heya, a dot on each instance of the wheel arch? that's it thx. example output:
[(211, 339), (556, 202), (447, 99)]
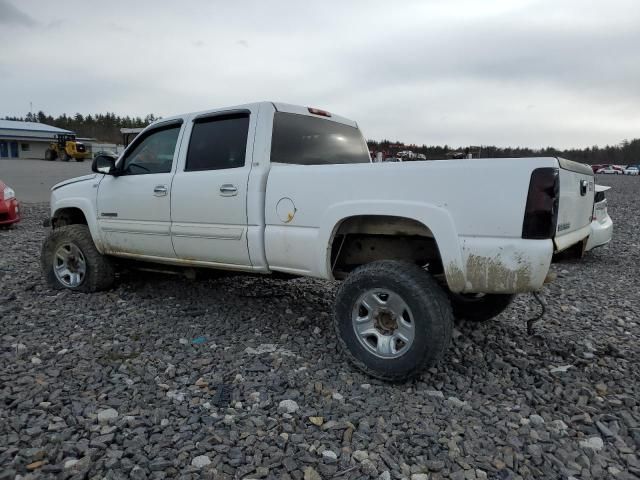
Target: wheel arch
[(68, 216), (392, 220), (78, 211)]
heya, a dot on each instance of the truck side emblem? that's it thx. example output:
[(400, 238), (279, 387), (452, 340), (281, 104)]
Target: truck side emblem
[(108, 214)]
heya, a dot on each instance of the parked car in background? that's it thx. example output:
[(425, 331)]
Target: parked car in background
[(9, 207), (611, 170), (597, 167), (632, 170), (406, 154), (601, 223)]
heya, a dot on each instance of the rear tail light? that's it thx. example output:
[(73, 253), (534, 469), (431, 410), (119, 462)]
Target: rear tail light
[(541, 212)]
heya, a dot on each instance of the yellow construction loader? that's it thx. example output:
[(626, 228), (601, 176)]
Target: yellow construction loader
[(66, 147)]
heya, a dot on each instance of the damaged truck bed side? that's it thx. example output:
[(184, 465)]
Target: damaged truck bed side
[(271, 187)]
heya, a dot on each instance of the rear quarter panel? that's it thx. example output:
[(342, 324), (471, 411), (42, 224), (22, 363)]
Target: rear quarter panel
[(474, 208)]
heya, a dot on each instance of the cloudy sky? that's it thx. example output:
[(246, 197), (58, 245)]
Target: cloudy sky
[(464, 72)]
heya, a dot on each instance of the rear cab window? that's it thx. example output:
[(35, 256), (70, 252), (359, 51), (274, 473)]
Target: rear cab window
[(304, 140)]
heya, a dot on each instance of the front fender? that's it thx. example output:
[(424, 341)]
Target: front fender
[(436, 219), (75, 196)]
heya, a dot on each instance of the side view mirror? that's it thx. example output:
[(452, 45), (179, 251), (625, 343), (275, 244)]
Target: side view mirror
[(104, 164)]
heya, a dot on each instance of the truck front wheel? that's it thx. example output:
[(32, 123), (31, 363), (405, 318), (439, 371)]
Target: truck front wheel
[(392, 319), (69, 259), (479, 307)]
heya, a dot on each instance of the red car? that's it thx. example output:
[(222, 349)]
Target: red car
[(9, 209)]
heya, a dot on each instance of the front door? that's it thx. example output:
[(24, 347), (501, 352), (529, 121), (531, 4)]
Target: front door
[(209, 195), (134, 213)]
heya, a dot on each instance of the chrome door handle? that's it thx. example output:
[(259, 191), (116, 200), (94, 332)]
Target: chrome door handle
[(160, 190), (228, 190)]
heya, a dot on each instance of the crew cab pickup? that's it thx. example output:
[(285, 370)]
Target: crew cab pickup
[(274, 188)]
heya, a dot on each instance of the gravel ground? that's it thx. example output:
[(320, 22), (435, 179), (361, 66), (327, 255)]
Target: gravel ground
[(239, 377)]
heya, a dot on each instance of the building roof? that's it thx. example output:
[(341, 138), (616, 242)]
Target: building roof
[(30, 127)]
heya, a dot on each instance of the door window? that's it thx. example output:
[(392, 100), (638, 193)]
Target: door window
[(218, 143), (152, 153)]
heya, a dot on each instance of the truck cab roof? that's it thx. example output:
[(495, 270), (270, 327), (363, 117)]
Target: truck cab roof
[(278, 106)]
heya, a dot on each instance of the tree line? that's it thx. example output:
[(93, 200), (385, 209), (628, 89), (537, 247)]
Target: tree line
[(625, 153), (104, 127)]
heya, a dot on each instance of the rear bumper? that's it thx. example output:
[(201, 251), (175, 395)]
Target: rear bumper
[(504, 265), (9, 211), (601, 233), (567, 240)]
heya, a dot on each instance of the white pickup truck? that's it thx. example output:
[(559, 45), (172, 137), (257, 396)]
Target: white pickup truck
[(271, 187)]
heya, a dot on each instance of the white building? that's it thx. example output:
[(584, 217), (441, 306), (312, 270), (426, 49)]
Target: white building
[(26, 139)]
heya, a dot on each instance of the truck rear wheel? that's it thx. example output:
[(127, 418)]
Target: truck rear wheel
[(50, 155), (69, 259), (392, 319), (479, 307)]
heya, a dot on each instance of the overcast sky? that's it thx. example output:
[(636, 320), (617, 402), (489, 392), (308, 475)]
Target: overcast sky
[(465, 72)]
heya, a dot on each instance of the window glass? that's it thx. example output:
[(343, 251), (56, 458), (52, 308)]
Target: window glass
[(304, 140), (154, 153), (218, 142)]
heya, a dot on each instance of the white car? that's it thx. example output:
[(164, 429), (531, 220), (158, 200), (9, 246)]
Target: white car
[(631, 171), (271, 188), (601, 224), (610, 171)]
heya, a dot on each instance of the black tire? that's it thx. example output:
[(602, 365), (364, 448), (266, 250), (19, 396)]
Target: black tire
[(64, 156), (50, 155), (100, 273), (479, 308), (431, 314)]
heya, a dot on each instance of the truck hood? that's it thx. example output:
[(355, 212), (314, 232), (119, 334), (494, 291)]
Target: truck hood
[(74, 180)]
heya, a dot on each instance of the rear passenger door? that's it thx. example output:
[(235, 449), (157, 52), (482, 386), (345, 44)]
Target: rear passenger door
[(209, 191)]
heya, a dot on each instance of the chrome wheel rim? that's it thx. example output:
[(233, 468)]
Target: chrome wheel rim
[(383, 323), (69, 265)]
